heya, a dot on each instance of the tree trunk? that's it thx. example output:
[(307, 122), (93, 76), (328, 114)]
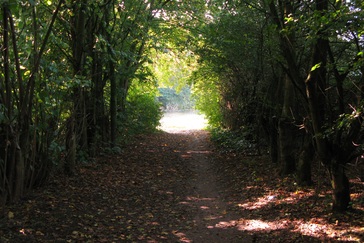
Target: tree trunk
[(70, 163), (124, 83), (287, 132), (113, 101), (77, 126), (20, 174), (305, 162), (315, 87), (287, 149), (98, 126), (273, 140), (340, 186)]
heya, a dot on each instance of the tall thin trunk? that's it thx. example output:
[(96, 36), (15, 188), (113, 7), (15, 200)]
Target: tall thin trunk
[(77, 121), (98, 126), (340, 186), (113, 101), (7, 95), (305, 162), (287, 132)]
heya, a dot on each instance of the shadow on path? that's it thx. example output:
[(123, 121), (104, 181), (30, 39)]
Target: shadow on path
[(212, 219)]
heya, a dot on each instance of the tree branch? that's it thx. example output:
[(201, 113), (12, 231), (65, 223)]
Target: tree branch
[(31, 83)]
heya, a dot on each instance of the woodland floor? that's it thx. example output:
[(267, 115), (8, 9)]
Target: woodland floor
[(174, 187)]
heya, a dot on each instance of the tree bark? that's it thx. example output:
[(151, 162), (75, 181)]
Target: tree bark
[(305, 161), (70, 164), (287, 132), (113, 101), (273, 140), (340, 186), (77, 122)]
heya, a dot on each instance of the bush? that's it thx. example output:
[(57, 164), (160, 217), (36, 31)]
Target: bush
[(233, 141), (143, 113)]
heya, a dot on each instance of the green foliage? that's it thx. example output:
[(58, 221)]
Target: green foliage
[(231, 74), (172, 67), (176, 101), (90, 44), (143, 112), (207, 96), (233, 142), (55, 151)]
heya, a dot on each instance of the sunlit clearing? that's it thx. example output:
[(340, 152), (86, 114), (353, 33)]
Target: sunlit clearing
[(181, 121)]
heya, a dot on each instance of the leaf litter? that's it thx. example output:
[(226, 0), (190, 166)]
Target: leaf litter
[(157, 191)]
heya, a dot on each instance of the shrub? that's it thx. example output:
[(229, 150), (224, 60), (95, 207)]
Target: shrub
[(143, 113), (233, 141)]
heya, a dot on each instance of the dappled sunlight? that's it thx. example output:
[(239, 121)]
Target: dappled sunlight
[(176, 122), (261, 202), (318, 228), (263, 209), (277, 197), (258, 225), (313, 228), (182, 237)]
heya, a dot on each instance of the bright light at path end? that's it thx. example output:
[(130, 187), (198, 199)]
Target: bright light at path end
[(179, 121)]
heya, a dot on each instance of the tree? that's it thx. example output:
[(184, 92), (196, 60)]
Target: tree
[(22, 151), (322, 111), (310, 47), (229, 53), (63, 64), (338, 148)]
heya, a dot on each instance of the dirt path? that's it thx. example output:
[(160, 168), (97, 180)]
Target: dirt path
[(162, 188), (172, 187), (213, 220)]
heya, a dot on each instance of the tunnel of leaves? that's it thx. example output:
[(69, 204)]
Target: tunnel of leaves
[(280, 82)]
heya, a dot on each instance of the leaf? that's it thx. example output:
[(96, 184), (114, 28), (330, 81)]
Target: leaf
[(149, 215), (10, 215), (318, 65)]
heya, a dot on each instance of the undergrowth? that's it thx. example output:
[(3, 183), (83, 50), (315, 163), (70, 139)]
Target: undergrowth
[(233, 141)]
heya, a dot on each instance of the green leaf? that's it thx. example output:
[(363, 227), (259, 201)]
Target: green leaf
[(318, 65)]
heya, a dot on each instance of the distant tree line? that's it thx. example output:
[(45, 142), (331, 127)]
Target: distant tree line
[(173, 100)]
